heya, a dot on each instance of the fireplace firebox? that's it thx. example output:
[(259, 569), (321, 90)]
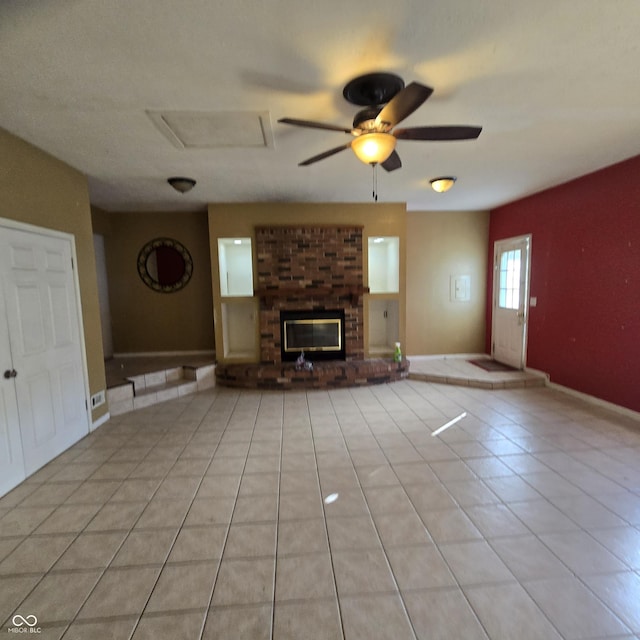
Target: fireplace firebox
[(319, 333)]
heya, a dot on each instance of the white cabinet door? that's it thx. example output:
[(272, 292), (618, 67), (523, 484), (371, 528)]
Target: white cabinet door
[(46, 348), (12, 469), (383, 326)]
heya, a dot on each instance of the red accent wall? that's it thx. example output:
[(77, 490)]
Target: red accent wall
[(585, 272)]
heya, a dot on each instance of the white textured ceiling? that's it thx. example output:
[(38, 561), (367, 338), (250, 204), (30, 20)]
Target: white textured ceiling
[(554, 83)]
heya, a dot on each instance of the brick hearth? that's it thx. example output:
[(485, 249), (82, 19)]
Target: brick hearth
[(325, 375)]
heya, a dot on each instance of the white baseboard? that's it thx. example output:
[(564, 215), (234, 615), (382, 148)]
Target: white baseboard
[(449, 356), (163, 354), (100, 421), (593, 400), (537, 372), (603, 404)]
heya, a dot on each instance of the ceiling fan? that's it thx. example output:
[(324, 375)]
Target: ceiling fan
[(387, 102)]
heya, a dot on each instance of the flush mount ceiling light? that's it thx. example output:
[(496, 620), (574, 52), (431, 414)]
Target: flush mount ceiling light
[(373, 148), (443, 183), (182, 184)]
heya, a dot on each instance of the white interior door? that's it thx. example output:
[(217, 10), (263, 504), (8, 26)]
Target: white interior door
[(12, 469), (46, 347), (510, 300)]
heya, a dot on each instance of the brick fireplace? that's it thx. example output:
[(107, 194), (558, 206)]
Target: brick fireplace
[(310, 270), (305, 269)]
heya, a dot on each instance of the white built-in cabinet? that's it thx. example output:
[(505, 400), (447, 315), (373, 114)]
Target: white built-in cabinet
[(235, 264), (239, 319), (383, 301), (239, 308), (384, 323)]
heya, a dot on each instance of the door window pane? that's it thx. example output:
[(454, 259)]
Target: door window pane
[(509, 293)]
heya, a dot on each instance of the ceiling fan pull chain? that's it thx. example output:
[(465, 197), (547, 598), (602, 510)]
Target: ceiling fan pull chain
[(375, 182)]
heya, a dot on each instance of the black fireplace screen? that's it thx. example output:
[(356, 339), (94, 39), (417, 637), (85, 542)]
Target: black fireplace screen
[(320, 334)]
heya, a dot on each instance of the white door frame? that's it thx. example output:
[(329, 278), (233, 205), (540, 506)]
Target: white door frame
[(523, 311), (52, 233)]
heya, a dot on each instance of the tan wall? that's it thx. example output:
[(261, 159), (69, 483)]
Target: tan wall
[(38, 189), (439, 245), (142, 319), (101, 221), (237, 220)]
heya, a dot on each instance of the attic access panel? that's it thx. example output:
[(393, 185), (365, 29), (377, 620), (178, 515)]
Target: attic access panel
[(215, 129)]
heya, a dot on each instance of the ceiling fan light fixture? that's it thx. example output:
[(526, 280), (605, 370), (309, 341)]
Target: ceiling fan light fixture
[(373, 148), (442, 184), (182, 184)]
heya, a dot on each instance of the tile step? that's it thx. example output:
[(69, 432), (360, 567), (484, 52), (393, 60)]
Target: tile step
[(145, 390), (462, 381), (166, 386)]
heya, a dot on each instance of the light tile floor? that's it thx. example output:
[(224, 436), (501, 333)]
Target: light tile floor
[(334, 515)]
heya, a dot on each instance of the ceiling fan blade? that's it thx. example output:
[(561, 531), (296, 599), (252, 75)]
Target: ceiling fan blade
[(392, 163), (404, 103), (325, 154), (464, 132), (313, 125)]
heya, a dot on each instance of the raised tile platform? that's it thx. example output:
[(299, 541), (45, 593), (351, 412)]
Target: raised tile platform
[(457, 370), (325, 375), (135, 383)]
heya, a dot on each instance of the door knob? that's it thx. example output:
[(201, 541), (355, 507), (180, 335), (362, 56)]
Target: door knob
[(10, 373)]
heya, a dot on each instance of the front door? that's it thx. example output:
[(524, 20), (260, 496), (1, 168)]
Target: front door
[(42, 316), (510, 300)]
